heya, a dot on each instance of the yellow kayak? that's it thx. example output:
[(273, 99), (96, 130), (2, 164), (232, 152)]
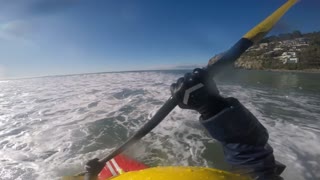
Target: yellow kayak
[(179, 173)]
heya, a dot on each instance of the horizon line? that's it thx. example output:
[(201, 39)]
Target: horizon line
[(99, 72)]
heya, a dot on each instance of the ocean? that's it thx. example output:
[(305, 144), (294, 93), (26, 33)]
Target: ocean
[(50, 126)]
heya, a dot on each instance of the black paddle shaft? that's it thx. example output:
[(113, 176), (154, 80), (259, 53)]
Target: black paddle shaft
[(168, 106), (227, 59)]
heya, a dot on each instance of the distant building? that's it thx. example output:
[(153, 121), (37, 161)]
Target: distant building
[(292, 60), (263, 45), (289, 57), (278, 49)]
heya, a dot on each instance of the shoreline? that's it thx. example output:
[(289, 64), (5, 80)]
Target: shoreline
[(310, 71)]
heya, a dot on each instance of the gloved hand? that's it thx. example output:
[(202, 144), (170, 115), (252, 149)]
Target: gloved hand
[(198, 92), (243, 137), (93, 168)]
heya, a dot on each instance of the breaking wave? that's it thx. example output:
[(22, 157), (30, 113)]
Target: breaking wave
[(50, 126)]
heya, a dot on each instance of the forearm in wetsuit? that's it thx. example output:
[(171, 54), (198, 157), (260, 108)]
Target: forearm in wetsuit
[(244, 140)]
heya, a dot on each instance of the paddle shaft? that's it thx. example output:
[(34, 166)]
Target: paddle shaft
[(168, 106), (253, 36), (228, 58), (241, 46)]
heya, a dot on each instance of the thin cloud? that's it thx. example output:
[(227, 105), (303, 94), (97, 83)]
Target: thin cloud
[(17, 16), (19, 9), (41, 7), (18, 30)]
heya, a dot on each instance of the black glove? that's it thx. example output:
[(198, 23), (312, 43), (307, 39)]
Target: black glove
[(93, 168), (199, 92)]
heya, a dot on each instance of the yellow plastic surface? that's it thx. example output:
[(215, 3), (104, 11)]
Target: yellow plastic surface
[(265, 26), (179, 173)]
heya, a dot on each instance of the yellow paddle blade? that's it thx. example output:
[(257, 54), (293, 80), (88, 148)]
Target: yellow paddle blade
[(259, 31)]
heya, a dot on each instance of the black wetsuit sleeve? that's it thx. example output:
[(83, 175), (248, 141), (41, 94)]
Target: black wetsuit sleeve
[(244, 140)]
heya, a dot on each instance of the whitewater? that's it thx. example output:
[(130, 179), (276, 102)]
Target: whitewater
[(50, 126)]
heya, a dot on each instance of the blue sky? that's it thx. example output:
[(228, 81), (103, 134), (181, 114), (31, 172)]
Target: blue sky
[(48, 37)]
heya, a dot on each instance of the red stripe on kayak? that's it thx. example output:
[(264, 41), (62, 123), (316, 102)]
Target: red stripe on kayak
[(125, 163)]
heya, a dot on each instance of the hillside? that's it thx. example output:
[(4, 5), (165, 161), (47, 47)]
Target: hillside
[(291, 51)]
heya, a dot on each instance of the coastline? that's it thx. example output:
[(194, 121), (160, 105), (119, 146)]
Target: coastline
[(311, 71)]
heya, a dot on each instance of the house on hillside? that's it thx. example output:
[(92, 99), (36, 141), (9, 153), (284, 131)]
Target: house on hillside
[(289, 57), (263, 45), (277, 49)]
